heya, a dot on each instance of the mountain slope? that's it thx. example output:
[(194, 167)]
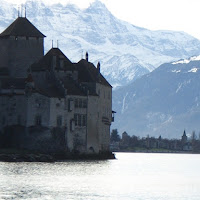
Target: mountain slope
[(164, 102), (125, 51)]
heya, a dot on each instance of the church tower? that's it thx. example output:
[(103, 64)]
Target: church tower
[(184, 137), (21, 44)]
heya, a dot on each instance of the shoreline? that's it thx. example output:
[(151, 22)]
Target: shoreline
[(162, 152), (51, 158)]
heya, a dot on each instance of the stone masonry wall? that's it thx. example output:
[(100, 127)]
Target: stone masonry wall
[(12, 110), (19, 53), (76, 133), (105, 115), (3, 53), (38, 110), (93, 119)]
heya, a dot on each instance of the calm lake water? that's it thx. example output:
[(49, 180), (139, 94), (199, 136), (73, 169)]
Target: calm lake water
[(134, 176)]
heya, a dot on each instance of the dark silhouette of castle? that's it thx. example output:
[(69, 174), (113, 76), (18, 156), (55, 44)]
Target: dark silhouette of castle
[(46, 101)]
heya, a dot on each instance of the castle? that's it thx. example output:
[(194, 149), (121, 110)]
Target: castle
[(46, 101)]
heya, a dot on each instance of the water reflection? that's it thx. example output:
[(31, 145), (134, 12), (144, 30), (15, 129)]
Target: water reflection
[(130, 176)]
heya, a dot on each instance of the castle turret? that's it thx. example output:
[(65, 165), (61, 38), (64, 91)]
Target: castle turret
[(21, 44)]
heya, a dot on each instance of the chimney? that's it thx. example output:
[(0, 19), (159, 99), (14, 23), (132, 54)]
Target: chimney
[(98, 67), (98, 71), (86, 56)]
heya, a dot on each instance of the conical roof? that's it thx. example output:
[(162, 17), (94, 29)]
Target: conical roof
[(22, 27)]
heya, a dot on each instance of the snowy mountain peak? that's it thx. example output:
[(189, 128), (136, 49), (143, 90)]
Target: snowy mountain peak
[(186, 61), (97, 5), (126, 52), (98, 8)]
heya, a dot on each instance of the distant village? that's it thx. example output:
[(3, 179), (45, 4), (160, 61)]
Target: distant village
[(127, 143)]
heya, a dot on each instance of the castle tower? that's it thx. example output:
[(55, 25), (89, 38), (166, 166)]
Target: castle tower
[(21, 44)]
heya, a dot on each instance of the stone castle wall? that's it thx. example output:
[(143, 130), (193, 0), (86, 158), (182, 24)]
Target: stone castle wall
[(18, 53), (105, 115)]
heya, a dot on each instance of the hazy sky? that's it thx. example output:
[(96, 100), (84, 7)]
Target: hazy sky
[(181, 15)]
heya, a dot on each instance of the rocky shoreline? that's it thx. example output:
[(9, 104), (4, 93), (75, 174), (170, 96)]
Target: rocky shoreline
[(38, 157)]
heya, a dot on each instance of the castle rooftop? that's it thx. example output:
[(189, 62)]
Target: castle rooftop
[(45, 62), (22, 27), (89, 73)]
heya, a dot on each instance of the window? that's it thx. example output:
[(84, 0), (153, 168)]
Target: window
[(80, 120), (84, 103), (66, 104), (76, 119), (38, 120), (70, 105), (59, 120), (72, 125), (80, 104), (76, 103), (57, 105), (84, 120)]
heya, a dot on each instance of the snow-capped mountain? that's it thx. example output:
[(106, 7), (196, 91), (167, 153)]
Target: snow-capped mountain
[(163, 102), (125, 51)]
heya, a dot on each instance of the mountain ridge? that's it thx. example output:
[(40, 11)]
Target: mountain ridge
[(126, 52), (163, 102)]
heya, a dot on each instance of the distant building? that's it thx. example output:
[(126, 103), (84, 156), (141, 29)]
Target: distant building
[(186, 145), (46, 101)]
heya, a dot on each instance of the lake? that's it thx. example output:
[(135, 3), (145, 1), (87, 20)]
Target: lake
[(137, 176)]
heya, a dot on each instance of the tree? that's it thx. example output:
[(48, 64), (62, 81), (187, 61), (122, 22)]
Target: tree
[(135, 141), (125, 139), (114, 136), (193, 136)]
